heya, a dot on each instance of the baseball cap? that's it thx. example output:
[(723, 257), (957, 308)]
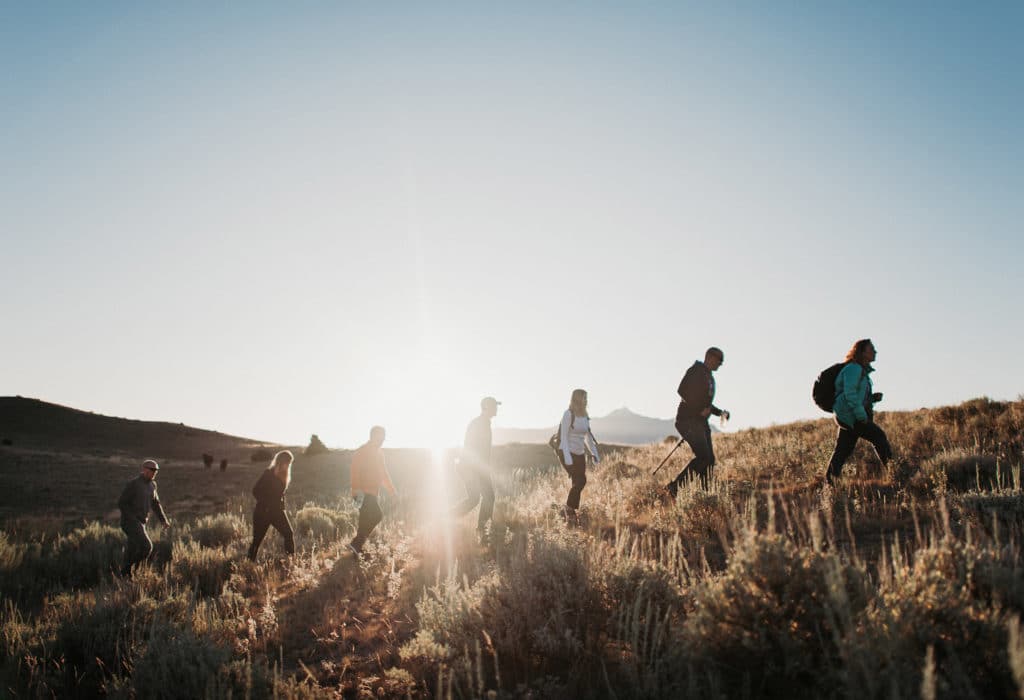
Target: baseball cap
[(489, 401)]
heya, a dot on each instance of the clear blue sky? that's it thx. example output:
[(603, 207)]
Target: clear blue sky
[(279, 219)]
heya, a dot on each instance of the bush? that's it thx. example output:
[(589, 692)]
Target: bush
[(318, 523), (219, 530), (177, 664), (201, 569)]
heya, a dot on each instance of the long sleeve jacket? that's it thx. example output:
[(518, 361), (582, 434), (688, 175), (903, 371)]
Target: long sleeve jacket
[(138, 498), (853, 394), (576, 437), (697, 392), (269, 491)]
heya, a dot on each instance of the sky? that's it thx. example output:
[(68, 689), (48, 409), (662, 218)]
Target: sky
[(281, 219)]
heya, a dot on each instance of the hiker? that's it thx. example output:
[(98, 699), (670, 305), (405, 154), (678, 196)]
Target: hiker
[(575, 440), (137, 499), (269, 492), (854, 409), (475, 466), (697, 395), (368, 474)]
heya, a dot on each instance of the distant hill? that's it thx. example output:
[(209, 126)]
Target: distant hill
[(35, 424), (620, 427)]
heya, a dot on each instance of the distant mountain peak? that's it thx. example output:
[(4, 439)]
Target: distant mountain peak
[(621, 413)]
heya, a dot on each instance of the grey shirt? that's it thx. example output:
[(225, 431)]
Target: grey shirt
[(138, 498)]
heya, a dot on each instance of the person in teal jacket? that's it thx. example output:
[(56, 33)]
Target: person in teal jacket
[(854, 409)]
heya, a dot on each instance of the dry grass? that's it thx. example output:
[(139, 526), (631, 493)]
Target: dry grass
[(905, 582)]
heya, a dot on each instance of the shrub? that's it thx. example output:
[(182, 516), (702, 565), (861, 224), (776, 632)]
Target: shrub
[(81, 559), (218, 530), (318, 523), (201, 569), (177, 664)]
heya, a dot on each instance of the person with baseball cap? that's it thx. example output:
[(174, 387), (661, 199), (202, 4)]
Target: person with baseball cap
[(137, 499), (474, 467), (697, 395)]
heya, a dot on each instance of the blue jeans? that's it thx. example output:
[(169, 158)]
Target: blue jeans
[(697, 434)]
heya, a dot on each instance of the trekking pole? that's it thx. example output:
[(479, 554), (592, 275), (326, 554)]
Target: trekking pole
[(678, 443)]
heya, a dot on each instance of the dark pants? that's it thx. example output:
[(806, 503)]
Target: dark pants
[(578, 473), (479, 489), (370, 516), (846, 440), (262, 519), (139, 546), (697, 434)]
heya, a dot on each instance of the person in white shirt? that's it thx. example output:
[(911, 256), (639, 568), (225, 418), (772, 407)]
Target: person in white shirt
[(575, 441)]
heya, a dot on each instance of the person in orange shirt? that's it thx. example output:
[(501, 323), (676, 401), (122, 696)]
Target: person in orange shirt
[(368, 474)]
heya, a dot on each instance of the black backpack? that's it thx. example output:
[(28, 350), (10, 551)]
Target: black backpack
[(824, 391)]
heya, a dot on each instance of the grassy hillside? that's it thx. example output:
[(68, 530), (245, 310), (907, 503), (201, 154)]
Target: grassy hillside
[(905, 582)]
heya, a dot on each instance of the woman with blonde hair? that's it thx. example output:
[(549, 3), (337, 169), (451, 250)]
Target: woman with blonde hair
[(269, 492), (854, 408), (575, 440)]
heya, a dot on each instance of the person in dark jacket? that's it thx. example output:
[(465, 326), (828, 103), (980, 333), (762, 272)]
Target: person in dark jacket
[(697, 395), (137, 499), (475, 466), (854, 409), (269, 493)]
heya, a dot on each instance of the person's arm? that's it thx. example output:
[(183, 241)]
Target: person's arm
[(715, 410), (564, 430), (850, 376), (159, 509)]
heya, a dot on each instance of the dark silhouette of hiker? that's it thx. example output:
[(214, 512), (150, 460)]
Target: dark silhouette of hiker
[(223, 465), (368, 474), (854, 409), (269, 492), (575, 440), (697, 395), (137, 499), (474, 466), (207, 460)]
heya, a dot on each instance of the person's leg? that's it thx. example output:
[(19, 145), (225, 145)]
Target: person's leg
[(846, 440), (487, 499), (704, 457), (369, 516), (874, 434), (578, 474), (697, 434), (469, 478), (138, 547), (260, 523), (281, 523)]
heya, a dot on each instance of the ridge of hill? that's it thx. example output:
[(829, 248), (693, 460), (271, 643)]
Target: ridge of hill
[(33, 423)]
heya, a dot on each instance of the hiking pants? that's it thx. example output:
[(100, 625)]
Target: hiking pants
[(139, 546), (697, 434), (578, 473), (370, 516), (262, 519), (846, 440), (479, 489)]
